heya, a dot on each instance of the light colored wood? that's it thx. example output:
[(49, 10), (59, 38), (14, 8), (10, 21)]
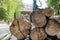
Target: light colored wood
[(52, 28), (48, 12), (38, 19), (21, 30), (38, 34)]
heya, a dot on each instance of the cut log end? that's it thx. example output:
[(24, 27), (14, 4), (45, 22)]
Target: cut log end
[(38, 34), (39, 19), (52, 28), (48, 12)]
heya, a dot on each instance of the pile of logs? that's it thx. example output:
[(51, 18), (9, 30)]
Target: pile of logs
[(50, 25), (46, 26)]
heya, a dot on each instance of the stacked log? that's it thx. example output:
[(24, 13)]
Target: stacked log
[(52, 28), (48, 12), (38, 19), (43, 20), (38, 34), (20, 28)]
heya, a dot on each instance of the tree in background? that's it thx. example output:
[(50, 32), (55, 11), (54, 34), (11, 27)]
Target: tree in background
[(11, 7), (55, 4), (2, 14)]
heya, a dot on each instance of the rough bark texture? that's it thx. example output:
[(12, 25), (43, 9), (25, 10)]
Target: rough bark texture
[(38, 19), (47, 12), (20, 28), (38, 34), (52, 28)]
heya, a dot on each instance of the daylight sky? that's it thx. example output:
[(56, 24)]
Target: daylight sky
[(31, 2)]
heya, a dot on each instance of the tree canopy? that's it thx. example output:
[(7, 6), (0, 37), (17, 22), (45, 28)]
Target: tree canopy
[(2, 14), (11, 7)]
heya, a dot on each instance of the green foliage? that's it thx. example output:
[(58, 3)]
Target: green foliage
[(11, 7), (55, 4), (2, 14)]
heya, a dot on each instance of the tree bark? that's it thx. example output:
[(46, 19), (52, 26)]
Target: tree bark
[(38, 34), (20, 28)]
